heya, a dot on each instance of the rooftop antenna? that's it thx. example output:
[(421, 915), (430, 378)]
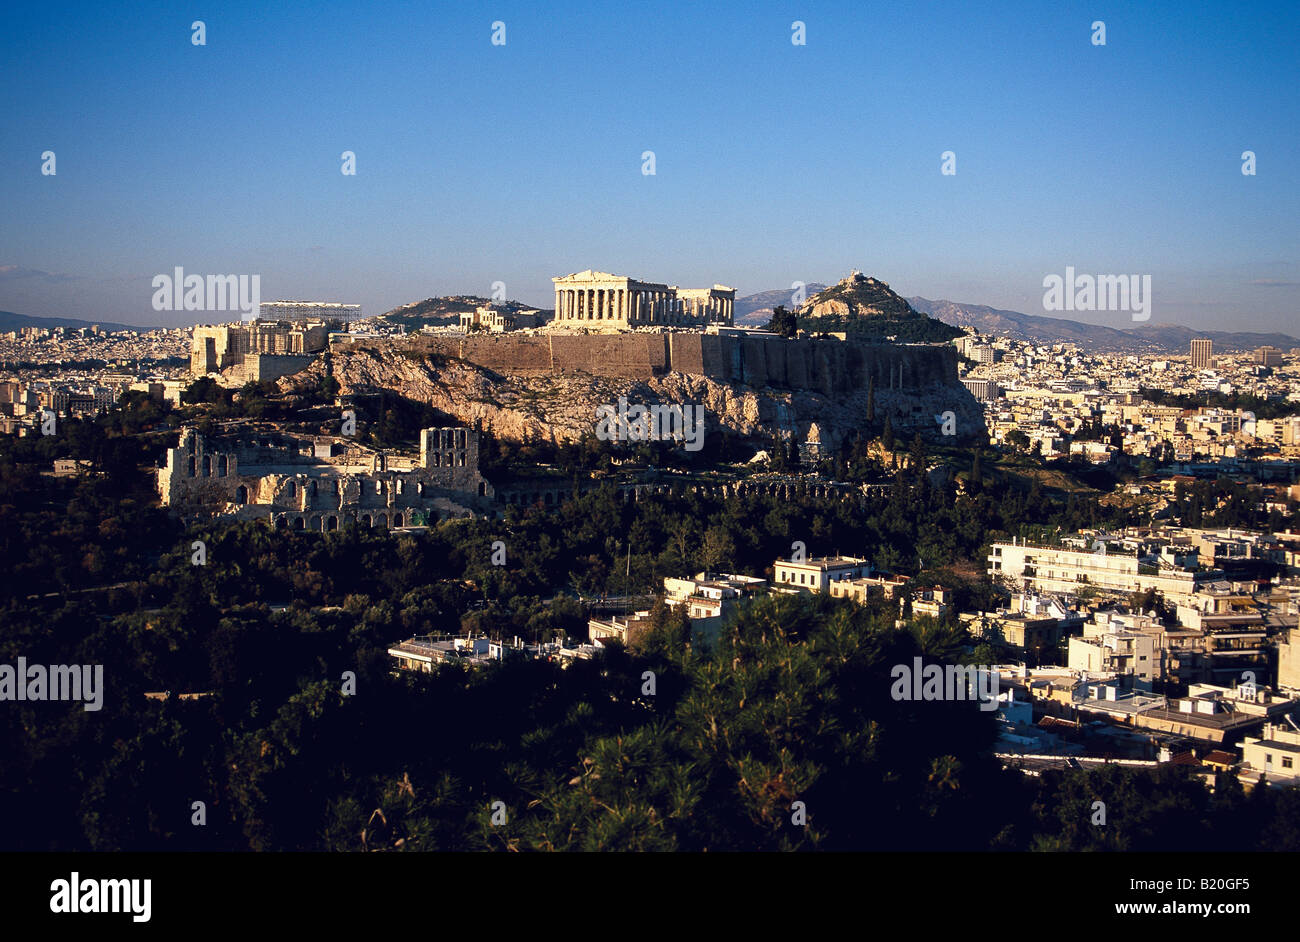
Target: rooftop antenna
[(627, 581)]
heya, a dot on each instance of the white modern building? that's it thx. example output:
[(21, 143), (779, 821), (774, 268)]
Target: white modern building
[(297, 312), (816, 575), (1063, 570)]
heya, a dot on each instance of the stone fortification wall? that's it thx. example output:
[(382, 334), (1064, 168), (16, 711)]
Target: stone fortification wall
[(627, 356), (827, 366)]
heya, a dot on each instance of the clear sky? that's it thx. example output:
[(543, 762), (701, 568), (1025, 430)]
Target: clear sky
[(774, 162)]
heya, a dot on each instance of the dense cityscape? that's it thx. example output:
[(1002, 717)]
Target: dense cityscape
[(1111, 555), (437, 439)]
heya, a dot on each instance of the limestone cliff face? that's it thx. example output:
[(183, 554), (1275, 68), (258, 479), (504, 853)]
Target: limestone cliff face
[(821, 395)]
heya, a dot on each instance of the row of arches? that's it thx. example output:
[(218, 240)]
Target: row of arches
[(529, 498), (209, 466), (327, 523), (782, 489), (398, 487)]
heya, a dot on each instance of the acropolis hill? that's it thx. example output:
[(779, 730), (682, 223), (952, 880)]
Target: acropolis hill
[(546, 385)]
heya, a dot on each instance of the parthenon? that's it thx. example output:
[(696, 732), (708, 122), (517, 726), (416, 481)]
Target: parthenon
[(601, 301)]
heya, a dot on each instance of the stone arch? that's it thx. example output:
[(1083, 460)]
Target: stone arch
[(331, 522), (241, 494), (314, 523), (297, 523), (366, 521), (382, 520), (223, 466), (397, 520)]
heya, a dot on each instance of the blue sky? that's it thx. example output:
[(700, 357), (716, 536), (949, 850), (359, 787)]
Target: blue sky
[(774, 162)]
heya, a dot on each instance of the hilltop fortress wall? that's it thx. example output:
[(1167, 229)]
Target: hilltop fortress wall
[(828, 366)]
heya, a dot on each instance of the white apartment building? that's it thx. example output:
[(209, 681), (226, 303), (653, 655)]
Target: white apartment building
[(1274, 755), (1129, 654), (710, 595), (815, 575), (1061, 570)]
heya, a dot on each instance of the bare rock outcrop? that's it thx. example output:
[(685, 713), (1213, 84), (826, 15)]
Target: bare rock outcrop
[(561, 407)]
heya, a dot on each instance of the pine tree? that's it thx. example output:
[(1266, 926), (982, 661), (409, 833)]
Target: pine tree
[(887, 436), (916, 454), (871, 399)]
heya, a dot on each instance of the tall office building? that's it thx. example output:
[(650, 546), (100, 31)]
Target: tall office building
[(1268, 356), (1202, 347)]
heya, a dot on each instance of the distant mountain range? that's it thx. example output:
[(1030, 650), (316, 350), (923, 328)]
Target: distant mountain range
[(1155, 338), (755, 310), (11, 321)]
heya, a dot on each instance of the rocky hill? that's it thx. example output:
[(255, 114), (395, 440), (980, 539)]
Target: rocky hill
[(543, 404), (858, 295), (868, 307)]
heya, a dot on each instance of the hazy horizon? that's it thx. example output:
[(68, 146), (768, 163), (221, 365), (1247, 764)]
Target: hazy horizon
[(774, 162)]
